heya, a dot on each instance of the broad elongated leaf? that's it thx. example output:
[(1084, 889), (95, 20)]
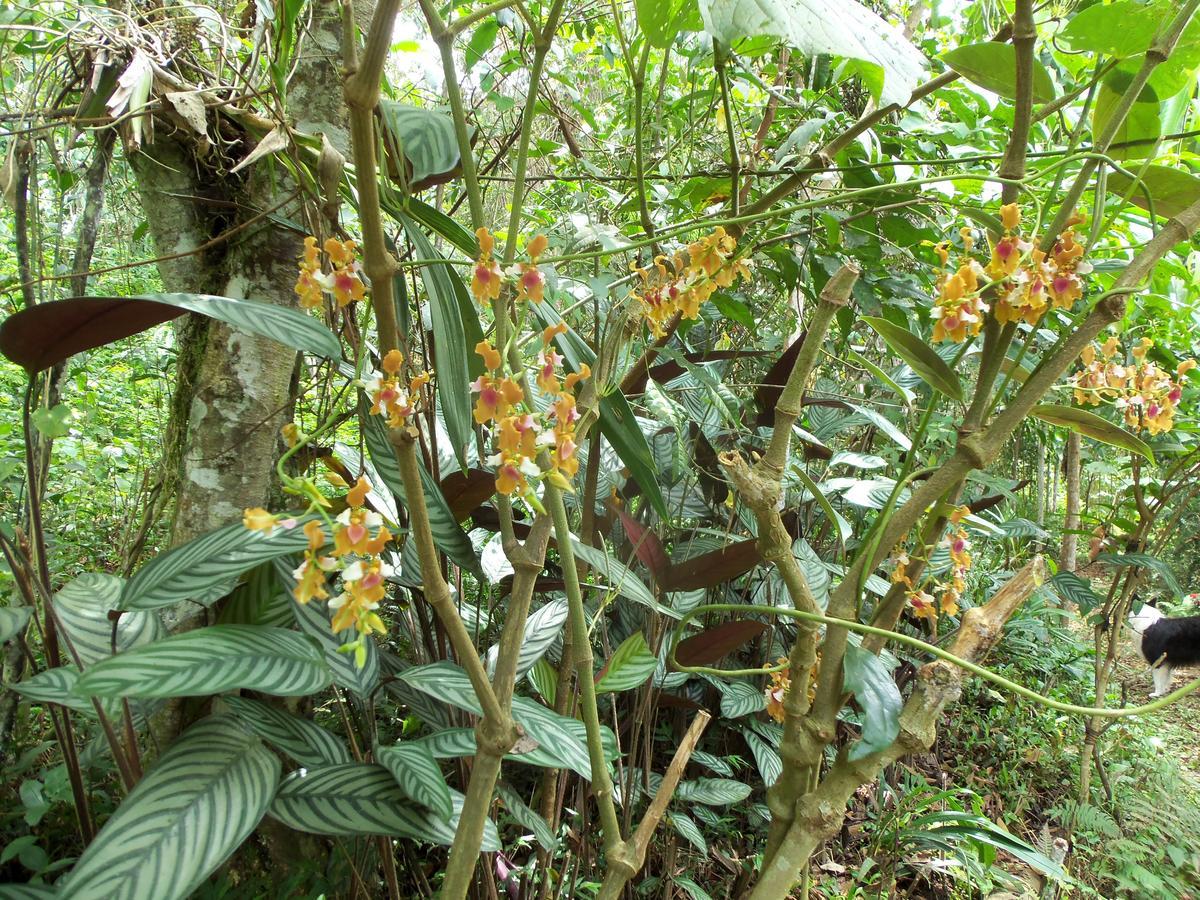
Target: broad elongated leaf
[(83, 605), (884, 424), (741, 698), (631, 664), (193, 570), (27, 892), (427, 140), (1093, 426), (417, 775), (192, 809), (558, 735), (618, 576), (459, 743), (993, 66), (449, 537), (45, 335), (710, 645), (303, 740), (646, 545), (848, 29), (770, 766), (450, 347), (689, 831), (1145, 560), (713, 568), (209, 661), (1122, 28), (55, 685), (442, 225), (712, 791), (662, 20), (542, 629), (1171, 189), (814, 570), (315, 620), (871, 682), (520, 811), (261, 599), (363, 798), (13, 621), (1079, 591), (919, 356)]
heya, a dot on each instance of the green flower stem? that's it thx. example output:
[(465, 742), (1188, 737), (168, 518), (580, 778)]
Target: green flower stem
[(917, 644)]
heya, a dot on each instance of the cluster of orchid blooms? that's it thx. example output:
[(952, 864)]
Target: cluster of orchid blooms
[(358, 539), (675, 286), (342, 280), (1024, 280), (780, 683), (949, 592), (1143, 393)]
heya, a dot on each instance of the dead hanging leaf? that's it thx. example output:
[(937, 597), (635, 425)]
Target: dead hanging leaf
[(465, 492), (8, 175), (275, 141), (131, 94), (768, 393), (712, 568), (646, 545), (190, 106), (710, 645), (330, 164), (49, 333)]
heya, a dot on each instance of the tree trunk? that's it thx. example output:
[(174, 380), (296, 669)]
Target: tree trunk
[(1040, 495)]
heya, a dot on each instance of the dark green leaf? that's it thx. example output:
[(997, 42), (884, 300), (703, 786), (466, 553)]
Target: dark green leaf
[(993, 66), (1091, 425), (1078, 590), (1171, 189), (871, 682), (920, 357)]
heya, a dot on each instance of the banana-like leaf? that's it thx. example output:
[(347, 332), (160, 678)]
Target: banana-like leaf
[(1091, 425), (417, 775), (447, 534), (920, 357), (631, 664), (192, 809), (193, 570), (45, 335), (363, 798), (210, 661), (83, 605), (450, 346), (303, 740), (55, 685)]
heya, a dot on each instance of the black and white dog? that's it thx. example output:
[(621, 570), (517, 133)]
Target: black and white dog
[(1166, 644)]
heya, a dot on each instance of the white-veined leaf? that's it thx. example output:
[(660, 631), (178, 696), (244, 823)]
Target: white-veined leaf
[(770, 766), (815, 573), (55, 685), (191, 570), (857, 460), (620, 578), (210, 661), (520, 811), (13, 620), (541, 630), (304, 741), (83, 605), (417, 775), (192, 809), (689, 830), (363, 798), (718, 765), (712, 791), (741, 698), (544, 679), (631, 664)]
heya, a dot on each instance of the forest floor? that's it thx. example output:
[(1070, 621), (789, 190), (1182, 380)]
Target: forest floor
[(1178, 724)]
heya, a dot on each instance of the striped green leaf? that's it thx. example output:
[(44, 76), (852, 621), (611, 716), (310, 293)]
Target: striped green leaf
[(631, 664), (541, 631), (192, 809), (620, 578), (13, 620), (689, 831), (919, 356), (712, 791), (1078, 590), (83, 606), (1159, 566), (544, 678), (190, 571), (557, 735), (55, 685), (1096, 427), (770, 766), (304, 741), (447, 533), (315, 620), (425, 138), (618, 424), (210, 661), (291, 327), (459, 743), (363, 798), (442, 225), (26, 891), (741, 698), (261, 599), (417, 775), (452, 350), (519, 810)]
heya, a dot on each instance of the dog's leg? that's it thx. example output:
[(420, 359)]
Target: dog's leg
[(1162, 680)]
